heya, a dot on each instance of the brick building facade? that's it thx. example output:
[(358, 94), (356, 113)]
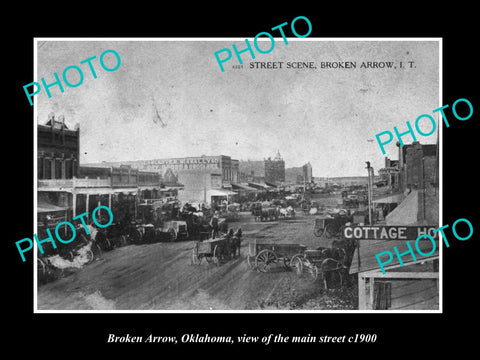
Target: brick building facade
[(418, 166), (58, 149), (275, 169)]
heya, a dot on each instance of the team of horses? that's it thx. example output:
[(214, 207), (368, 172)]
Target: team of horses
[(230, 246), (272, 212)]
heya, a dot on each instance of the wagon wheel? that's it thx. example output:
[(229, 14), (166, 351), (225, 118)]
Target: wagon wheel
[(103, 241), (99, 239), (70, 256), (264, 259), (336, 244), (216, 255), (115, 242), (41, 268), (330, 269), (173, 234), (297, 264), (318, 231), (96, 250), (341, 254), (148, 237), (287, 263), (312, 270), (53, 272), (108, 244), (328, 232), (134, 236), (195, 259), (90, 256)]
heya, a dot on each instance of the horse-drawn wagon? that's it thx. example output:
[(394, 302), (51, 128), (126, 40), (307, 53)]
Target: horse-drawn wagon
[(325, 263), (261, 256), (265, 211), (330, 226), (328, 263), (217, 250), (52, 262), (176, 230)]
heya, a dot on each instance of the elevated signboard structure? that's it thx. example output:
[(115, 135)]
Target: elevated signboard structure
[(381, 232)]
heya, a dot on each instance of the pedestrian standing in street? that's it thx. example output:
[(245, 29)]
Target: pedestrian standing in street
[(214, 224)]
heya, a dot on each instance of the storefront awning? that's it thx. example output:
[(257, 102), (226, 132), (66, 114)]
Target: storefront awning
[(272, 185), (244, 187), (45, 207), (171, 188), (259, 186), (220, 192), (149, 187), (125, 191)]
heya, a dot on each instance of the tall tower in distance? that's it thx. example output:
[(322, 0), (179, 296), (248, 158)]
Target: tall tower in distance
[(307, 172), (275, 169)]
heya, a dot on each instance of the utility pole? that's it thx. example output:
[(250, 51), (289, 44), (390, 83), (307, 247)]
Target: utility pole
[(369, 193), (305, 189), (205, 186)]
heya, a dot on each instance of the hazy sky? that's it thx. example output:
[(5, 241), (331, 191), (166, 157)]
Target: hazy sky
[(325, 116)]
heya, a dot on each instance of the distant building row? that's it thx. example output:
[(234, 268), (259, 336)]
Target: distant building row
[(416, 167), (221, 164), (273, 171), (64, 185)]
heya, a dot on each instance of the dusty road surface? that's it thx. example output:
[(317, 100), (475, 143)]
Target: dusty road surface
[(161, 276)]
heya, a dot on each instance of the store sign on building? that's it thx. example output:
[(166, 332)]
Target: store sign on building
[(388, 232), (216, 181)]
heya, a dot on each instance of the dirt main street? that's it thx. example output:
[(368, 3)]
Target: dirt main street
[(161, 276)]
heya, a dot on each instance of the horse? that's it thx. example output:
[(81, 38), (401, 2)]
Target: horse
[(230, 247), (232, 243), (236, 242), (333, 266), (270, 213), (287, 212)]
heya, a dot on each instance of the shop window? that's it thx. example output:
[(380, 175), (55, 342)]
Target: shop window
[(48, 169), (40, 168), (68, 169), (58, 169), (74, 168)]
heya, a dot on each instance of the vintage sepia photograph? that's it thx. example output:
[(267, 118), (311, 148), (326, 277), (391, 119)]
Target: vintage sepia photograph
[(291, 181)]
